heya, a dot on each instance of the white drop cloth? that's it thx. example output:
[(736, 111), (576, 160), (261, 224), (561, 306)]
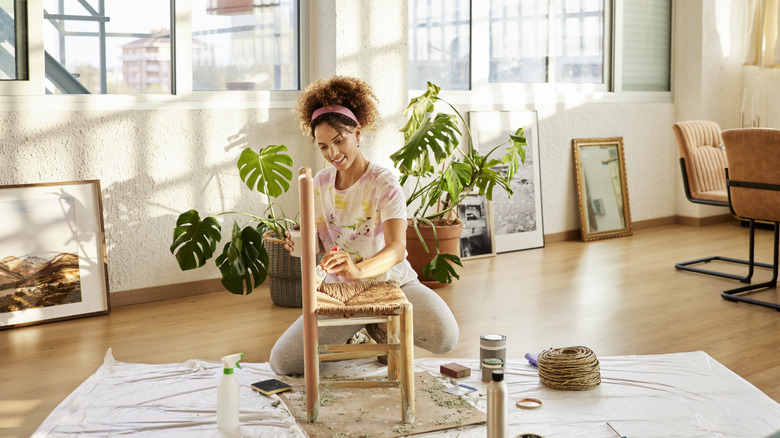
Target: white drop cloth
[(670, 395)]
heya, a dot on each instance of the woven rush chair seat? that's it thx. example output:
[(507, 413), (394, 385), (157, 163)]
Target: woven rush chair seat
[(345, 300)]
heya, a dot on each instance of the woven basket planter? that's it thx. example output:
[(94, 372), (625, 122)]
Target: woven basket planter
[(284, 272)]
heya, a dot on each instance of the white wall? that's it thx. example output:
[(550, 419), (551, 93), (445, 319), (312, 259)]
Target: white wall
[(156, 162)]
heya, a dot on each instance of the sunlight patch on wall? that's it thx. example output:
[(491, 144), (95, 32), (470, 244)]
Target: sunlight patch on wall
[(723, 25)]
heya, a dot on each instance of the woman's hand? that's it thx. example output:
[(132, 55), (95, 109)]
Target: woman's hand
[(288, 242), (339, 263)]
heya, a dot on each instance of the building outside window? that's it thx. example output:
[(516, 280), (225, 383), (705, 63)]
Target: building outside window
[(123, 47)]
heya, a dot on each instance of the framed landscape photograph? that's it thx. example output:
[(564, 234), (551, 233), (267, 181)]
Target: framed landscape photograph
[(52, 253), (517, 221), (476, 239)]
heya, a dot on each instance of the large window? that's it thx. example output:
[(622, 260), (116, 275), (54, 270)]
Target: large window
[(519, 41), (244, 45), (547, 42), (580, 44), (131, 47), (439, 43), (13, 40), (107, 46)]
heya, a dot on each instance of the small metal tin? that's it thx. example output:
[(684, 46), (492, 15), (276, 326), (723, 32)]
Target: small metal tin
[(492, 345), (488, 365)]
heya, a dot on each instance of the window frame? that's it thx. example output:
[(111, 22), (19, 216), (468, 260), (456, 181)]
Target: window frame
[(34, 82), (510, 95), (29, 94)]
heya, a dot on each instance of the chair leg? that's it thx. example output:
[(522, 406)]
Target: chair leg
[(313, 386), (751, 263), (393, 337), (406, 366), (311, 360), (731, 294)]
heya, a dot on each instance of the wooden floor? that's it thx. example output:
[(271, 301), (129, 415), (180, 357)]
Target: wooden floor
[(618, 297)]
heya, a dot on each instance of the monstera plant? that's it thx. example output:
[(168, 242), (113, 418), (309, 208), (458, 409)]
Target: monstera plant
[(243, 262), (442, 175)]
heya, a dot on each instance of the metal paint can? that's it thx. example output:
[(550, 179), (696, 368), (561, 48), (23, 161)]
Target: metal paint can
[(488, 365), (492, 345)]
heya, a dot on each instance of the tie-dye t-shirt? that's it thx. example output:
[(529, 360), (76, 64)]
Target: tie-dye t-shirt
[(352, 218)]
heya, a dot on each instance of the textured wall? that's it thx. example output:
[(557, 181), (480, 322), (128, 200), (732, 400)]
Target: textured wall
[(152, 166), (156, 164), (650, 163)]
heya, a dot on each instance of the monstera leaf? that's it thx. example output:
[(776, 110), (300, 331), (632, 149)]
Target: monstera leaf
[(430, 144), (440, 268), (242, 260), (194, 240), (516, 149), (269, 171), (420, 107), (458, 178)]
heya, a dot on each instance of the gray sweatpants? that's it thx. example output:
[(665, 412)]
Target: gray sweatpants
[(435, 330)]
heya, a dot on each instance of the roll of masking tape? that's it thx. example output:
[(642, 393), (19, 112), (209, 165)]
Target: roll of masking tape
[(488, 365), (529, 403)]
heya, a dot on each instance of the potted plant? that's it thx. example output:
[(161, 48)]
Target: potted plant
[(244, 262), (442, 176)]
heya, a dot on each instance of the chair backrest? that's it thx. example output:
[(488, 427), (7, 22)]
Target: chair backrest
[(754, 157), (699, 143)]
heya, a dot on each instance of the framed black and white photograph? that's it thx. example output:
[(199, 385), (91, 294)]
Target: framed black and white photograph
[(52, 253), (517, 220), (476, 239)]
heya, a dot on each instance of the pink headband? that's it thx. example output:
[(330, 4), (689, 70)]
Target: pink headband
[(335, 109)]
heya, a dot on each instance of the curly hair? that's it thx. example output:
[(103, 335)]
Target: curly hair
[(349, 92)]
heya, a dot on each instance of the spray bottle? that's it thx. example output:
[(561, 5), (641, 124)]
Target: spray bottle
[(227, 394)]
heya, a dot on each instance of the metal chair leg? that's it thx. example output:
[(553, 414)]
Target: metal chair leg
[(751, 263), (731, 294)]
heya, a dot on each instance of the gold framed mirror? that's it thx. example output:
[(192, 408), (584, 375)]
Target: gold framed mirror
[(602, 193)]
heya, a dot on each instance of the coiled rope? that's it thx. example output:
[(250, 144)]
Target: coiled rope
[(569, 368)]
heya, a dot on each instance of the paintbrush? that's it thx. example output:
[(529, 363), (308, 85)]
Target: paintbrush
[(616, 432), (320, 273)]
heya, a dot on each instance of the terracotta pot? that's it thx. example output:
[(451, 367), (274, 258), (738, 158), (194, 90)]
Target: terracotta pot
[(448, 235)]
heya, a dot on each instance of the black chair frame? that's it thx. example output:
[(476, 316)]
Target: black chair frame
[(731, 294), (688, 265)]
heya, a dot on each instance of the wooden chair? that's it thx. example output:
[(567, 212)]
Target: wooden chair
[(363, 302), (702, 161), (754, 192)]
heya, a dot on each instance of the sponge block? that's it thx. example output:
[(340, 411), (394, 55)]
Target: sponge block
[(455, 370)]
